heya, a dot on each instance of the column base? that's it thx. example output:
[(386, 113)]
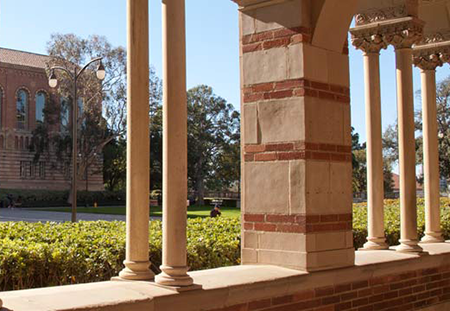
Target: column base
[(136, 271), (180, 289), (432, 237), (374, 244), (409, 246), (174, 277)]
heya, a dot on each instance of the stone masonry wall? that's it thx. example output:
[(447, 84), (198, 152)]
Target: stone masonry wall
[(412, 290), (297, 195)]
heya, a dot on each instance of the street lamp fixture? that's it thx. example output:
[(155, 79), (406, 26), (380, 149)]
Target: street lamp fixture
[(53, 82), (101, 73)]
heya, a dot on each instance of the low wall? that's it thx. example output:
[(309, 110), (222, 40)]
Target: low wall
[(380, 280)]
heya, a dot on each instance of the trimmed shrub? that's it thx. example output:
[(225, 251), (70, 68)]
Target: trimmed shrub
[(39, 255), (50, 198), (392, 221)]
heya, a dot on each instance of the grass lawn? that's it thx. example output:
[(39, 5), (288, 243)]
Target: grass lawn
[(193, 211)]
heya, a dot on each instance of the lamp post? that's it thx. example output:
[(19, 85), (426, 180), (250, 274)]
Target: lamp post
[(53, 82)]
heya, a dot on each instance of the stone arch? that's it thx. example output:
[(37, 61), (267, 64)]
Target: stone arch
[(23, 87), (332, 21)]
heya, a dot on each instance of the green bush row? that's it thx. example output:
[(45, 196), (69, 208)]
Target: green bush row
[(50, 198), (39, 255), (392, 221)]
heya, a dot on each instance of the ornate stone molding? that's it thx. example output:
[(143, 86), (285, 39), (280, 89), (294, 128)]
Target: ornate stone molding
[(431, 56), (380, 14), (401, 33), (435, 37), (427, 61), (404, 38), (369, 44)]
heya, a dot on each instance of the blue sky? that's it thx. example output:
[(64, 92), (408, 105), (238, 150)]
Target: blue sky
[(212, 43)]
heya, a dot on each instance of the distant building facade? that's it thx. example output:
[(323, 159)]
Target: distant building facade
[(24, 92)]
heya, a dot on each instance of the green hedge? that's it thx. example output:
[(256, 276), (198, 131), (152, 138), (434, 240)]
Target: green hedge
[(49, 198), (392, 221), (38, 255)]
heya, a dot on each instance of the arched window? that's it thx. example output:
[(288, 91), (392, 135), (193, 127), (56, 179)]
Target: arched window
[(41, 100), (65, 113), (22, 108)]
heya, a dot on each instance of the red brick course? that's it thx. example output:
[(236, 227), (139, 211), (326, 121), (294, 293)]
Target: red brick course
[(296, 88), (282, 37), (297, 223), (412, 290), (297, 151)]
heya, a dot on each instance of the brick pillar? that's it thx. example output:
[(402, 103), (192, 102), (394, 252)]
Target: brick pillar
[(297, 194)]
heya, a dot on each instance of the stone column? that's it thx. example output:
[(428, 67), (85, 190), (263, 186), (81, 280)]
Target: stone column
[(138, 145), (406, 142), (296, 139), (428, 65), (174, 262), (375, 179)]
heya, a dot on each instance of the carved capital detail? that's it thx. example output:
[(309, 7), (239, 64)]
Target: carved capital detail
[(445, 57), (431, 56), (401, 33), (405, 36), (428, 62), (369, 44)]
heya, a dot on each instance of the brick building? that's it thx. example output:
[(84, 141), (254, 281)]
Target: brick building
[(24, 92)]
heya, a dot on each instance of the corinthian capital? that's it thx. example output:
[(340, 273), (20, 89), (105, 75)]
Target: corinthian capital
[(445, 57), (400, 32), (405, 38), (432, 55), (369, 43), (427, 62)]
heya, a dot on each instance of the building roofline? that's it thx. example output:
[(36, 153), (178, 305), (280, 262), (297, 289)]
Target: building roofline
[(25, 52)]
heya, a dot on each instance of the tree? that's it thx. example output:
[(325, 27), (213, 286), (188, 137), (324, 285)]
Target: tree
[(359, 160), (443, 124), (213, 141), (390, 144), (102, 114), (115, 165), (359, 180), (156, 129)]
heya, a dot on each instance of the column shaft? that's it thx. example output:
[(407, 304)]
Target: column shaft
[(375, 178), (138, 145), (174, 262), (433, 232), (407, 157)]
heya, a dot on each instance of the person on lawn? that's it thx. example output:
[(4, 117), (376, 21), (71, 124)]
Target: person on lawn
[(215, 211)]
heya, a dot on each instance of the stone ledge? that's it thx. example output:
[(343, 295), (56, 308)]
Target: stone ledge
[(220, 287)]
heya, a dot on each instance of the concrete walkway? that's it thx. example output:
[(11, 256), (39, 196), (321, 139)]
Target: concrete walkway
[(22, 214)]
